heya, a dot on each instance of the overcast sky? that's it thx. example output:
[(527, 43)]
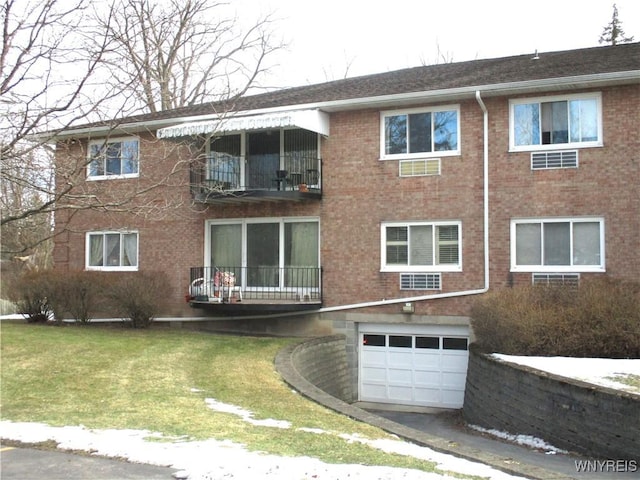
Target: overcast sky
[(373, 36)]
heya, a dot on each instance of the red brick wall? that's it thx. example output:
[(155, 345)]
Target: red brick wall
[(360, 191), (607, 184)]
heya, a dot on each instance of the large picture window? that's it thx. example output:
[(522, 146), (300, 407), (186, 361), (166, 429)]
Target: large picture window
[(113, 158), (112, 251), (557, 245), (552, 122), (267, 253), (421, 247), (416, 133)]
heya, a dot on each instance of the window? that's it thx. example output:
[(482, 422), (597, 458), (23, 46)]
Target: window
[(112, 251), (113, 158), (273, 253), (555, 121), (452, 343), (401, 341), (421, 247), (416, 133), (557, 245), (374, 340)]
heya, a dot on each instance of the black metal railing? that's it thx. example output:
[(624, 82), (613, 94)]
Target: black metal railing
[(221, 172), (229, 284)]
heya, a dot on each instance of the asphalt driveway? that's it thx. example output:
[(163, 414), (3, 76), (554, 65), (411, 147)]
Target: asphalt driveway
[(18, 463)]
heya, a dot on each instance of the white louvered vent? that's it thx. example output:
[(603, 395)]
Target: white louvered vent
[(561, 159), (556, 279), (419, 168), (420, 281)]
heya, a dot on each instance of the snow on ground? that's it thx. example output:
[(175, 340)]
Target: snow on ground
[(598, 371), (213, 459), (525, 440)]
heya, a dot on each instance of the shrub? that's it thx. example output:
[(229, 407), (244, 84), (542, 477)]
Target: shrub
[(83, 293), (599, 318), (139, 296), (32, 292)]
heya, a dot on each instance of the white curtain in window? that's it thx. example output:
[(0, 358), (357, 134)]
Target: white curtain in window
[(96, 250), (130, 250), (112, 250), (301, 251), (226, 246)]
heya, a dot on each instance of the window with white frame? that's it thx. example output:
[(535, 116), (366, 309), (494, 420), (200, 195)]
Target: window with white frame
[(112, 251), (267, 253), (557, 245), (421, 246), (555, 122), (420, 132), (113, 158)]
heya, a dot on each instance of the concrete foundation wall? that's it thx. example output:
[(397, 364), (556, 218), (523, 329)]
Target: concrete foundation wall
[(572, 415), (323, 363)]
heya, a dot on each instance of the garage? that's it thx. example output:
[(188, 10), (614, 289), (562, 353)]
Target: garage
[(418, 365)]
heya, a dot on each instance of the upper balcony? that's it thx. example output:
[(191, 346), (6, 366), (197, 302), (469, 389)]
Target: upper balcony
[(224, 178)]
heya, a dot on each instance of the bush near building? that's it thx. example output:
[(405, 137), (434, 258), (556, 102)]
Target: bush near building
[(84, 295), (598, 318)]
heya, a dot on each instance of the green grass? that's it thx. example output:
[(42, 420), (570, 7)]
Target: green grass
[(631, 380), (145, 379)]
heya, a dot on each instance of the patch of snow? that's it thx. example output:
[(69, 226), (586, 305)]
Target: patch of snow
[(212, 459), (598, 371), (245, 415), (526, 440), (444, 461)]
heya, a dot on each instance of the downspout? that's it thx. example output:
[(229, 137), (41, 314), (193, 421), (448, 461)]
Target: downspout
[(434, 296), (463, 293)]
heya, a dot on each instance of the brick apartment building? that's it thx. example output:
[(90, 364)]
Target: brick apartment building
[(379, 207)]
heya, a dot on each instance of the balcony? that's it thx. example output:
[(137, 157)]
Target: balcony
[(224, 178), (255, 290)]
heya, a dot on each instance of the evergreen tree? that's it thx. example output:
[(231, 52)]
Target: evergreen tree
[(613, 33)]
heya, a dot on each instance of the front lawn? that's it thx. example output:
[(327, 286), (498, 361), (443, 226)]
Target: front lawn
[(158, 379)]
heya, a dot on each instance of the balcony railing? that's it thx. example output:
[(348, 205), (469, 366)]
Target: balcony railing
[(222, 174), (255, 284)]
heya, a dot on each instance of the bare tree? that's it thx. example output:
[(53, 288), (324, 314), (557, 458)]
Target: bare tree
[(613, 33), (62, 65), (185, 52), (44, 76)]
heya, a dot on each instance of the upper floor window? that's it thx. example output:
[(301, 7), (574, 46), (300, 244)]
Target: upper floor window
[(416, 133), (557, 245), (421, 247), (113, 158), (552, 122), (112, 251)]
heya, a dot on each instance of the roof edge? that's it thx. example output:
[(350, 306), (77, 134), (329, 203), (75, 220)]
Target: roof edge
[(488, 90)]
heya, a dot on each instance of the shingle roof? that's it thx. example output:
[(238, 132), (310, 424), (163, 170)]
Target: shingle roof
[(448, 76)]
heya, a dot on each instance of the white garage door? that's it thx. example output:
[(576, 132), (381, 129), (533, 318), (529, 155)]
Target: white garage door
[(423, 365)]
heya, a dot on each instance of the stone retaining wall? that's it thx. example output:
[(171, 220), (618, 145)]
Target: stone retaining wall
[(596, 421), (323, 362)]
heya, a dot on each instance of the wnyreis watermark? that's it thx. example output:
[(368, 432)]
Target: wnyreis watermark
[(606, 466)]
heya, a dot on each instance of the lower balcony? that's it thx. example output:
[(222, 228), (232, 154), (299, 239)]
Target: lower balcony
[(255, 290)]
